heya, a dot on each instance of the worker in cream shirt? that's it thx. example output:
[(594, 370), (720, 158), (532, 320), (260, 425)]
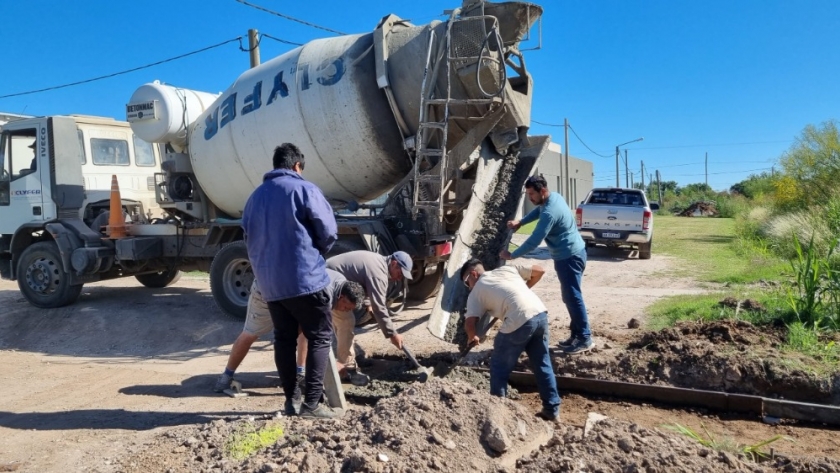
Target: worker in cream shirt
[(506, 294)]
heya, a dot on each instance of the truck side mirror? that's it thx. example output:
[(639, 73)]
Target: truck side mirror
[(654, 206)]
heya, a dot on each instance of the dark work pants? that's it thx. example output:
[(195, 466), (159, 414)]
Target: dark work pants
[(311, 313)]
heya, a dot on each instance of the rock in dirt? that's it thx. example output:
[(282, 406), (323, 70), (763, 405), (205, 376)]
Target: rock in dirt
[(634, 323), (496, 437), (591, 419)]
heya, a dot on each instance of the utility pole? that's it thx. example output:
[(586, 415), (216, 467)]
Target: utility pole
[(632, 184), (617, 172), (643, 177), (568, 179), (617, 184), (254, 47), (659, 186), (707, 169), (626, 171)]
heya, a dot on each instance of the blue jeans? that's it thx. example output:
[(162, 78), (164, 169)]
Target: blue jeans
[(532, 338), (570, 273)]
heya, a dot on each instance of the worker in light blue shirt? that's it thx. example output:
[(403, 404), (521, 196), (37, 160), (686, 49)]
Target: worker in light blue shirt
[(557, 227)]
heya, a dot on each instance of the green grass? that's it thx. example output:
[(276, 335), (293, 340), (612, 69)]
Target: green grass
[(710, 251), (246, 442), (527, 229), (755, 452)]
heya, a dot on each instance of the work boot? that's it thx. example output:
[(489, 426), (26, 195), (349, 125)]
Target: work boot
[(580, 345), (320, 412), (549, 415), (567, 342), (222, 383), (292, 407), (355, 377)]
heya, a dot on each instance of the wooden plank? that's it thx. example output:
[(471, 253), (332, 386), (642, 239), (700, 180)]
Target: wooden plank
[(818, 413)]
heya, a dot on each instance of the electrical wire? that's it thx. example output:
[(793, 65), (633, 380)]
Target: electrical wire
[(290, 18), (280, 40), (134, 69), (587, 146)]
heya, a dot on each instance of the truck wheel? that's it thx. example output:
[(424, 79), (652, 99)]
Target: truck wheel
[(159, 279), (424, 286), (231, 277), (644, 249), (42, 279)]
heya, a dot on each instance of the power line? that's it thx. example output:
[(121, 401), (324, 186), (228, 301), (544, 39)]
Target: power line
[(289, 17), (280, 40), (585, 145), (547, 124), (108, 76), (718, 144)]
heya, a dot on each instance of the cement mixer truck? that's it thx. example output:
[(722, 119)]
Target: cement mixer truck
[(436, 116)]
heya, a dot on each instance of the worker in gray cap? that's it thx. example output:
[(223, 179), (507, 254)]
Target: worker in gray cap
[(374, 272)]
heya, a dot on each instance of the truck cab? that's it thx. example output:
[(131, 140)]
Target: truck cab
[(106, 147), (57, 171)]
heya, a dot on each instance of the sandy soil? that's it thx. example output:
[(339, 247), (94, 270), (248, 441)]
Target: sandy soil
[(82, 385)]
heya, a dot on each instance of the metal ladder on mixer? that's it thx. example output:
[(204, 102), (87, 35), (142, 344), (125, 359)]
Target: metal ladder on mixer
[(433, 171)]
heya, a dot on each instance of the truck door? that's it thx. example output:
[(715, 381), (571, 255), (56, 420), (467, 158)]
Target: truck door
[(24, 155)]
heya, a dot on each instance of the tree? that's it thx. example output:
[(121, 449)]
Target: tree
[(813, 163), (755, 186)]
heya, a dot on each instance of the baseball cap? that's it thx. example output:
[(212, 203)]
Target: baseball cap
[(405, 263)]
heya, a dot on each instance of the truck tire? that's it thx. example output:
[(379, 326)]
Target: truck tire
[(231, 277), (41, 277), (159, 279), (424, 286), (644, 249)]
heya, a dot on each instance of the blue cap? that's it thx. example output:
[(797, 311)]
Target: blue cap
[(402, 258)]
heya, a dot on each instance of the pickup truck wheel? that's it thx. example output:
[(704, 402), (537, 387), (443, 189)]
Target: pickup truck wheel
[(159, 279), (41, 277), (424, 286), (231, 277), (644, 249)]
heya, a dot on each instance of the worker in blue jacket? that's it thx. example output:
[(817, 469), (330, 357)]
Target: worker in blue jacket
[(289, 228), (557, 226)]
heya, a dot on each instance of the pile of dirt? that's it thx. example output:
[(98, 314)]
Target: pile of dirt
[(700, 209), (438, 425), (728, 355), (613, 445)]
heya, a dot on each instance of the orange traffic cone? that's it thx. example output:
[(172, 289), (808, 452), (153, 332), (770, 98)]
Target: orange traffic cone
[(116, 221)]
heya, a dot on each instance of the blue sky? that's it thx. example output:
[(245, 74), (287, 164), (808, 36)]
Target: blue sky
[(738, 79)]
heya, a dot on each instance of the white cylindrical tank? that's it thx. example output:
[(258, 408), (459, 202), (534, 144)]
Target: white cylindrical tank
[(322, 97), (175, 109)]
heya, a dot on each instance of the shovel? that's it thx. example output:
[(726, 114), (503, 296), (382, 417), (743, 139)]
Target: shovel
[(483, 326), (424, 372)]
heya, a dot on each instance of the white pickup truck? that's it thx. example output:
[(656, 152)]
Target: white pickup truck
[(617, 217)]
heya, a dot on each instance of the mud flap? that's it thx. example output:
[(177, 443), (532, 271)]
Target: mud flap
[(452, 298)]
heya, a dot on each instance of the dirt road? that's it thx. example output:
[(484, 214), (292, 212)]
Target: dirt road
[(82, 384)]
